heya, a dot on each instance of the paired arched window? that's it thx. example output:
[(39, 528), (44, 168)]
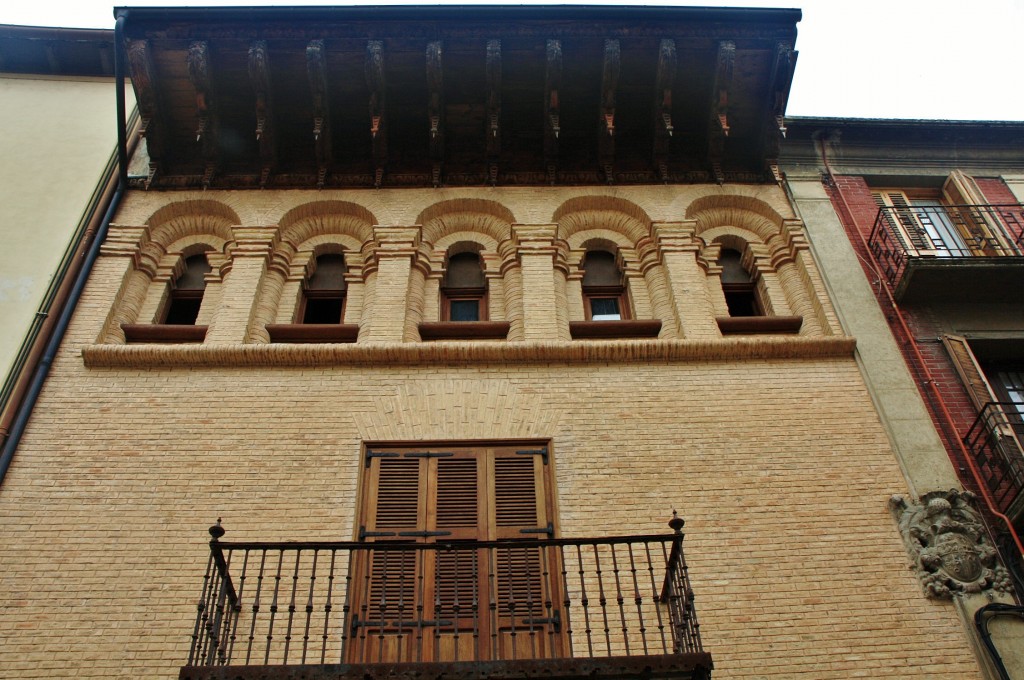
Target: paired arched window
[(604, 296), (464, 289), (737, 284), (323, 294), (186, 295)]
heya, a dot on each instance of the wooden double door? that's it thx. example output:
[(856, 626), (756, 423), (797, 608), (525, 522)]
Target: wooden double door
[(436, 583)]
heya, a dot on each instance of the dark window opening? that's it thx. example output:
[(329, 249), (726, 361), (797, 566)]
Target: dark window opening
[(604, 296), (324, 293), (186, 296), (740, 294), (464, 289)]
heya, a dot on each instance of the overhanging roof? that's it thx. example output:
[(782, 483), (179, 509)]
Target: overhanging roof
[(459, 95), (56, 51)]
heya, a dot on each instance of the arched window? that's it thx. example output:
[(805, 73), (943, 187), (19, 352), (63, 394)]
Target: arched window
[(323, 295), (603, 293), (464, 289), (740, 295), (187, 293)]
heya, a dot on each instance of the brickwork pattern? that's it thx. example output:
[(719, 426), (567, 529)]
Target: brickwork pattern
[(777, 461)]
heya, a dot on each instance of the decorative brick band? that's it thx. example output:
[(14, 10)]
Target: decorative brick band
[(409, 354)]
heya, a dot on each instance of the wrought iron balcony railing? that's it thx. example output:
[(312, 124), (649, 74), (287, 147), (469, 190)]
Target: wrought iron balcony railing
[(903, 234), (995, 441), (530, 603)]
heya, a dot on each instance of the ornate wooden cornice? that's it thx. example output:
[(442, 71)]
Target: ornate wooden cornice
[(459, 98)]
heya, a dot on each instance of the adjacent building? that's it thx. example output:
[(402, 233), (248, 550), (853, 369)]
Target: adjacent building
[(439, 322)]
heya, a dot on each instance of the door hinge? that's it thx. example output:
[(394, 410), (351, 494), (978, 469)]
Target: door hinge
[(549, 530), (363, 533), (543, 453), (379, 454)]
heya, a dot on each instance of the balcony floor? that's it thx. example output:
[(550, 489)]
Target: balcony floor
[(680, 666), (961, 279)]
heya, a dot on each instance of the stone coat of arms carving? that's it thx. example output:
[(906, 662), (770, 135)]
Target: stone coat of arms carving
[(948, 544)]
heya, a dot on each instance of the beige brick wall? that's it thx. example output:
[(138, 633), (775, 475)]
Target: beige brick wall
[(779, 465)]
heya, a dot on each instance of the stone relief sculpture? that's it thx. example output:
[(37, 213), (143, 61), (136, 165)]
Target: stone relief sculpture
[(947, 541)]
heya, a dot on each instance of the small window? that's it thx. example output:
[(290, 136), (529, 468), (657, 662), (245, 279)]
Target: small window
[(324, 294), (740, 295), (464, 290), (603, 293), (187, 294)]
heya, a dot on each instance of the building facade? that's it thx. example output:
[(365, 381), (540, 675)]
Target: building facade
[(44, 73), (932, 215), (438, 317)]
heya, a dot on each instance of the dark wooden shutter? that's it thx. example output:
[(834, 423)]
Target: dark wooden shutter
[(969, 369)]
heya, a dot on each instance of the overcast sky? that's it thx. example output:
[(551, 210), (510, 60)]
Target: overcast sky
[(946, 59)]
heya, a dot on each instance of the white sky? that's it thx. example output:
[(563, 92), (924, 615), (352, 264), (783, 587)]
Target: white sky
[(945, 59)]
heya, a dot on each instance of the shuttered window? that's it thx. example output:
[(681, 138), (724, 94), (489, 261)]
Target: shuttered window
[(466, 599)]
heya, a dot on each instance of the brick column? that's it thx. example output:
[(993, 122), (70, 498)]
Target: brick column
[(386, 316), (687, 283), (233, 317), (135, 265), (535, 252)]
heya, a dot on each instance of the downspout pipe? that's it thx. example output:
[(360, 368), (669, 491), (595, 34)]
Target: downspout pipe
[(42, 369)]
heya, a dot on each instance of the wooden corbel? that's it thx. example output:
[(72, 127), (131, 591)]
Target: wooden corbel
[(493, 131), (663, 128), (316, 68), (200, 73), (140, 64), (552, 125), (435, 108), (375, 82), (719, 124), (723, 83), (259, 76), (775, 108), (609, 85)]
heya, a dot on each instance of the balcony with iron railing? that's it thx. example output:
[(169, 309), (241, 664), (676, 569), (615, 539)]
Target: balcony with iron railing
[(613, 607), (995, 441), (951, 252)]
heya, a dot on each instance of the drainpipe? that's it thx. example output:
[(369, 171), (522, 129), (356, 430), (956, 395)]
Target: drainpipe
[(26, 397), (922, 366)]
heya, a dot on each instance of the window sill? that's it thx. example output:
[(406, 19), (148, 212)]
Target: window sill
[(627, 328), (313, 332), (464, 330), (162, 332), (755, 325)]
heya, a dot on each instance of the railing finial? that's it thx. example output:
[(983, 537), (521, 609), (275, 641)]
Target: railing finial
[(216, 531), (676, 523)]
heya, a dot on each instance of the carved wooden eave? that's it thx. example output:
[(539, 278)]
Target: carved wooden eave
[(459, 96), (493, 132), (552, 121), (663, 128), (609, 85), (778, 95), (207, 121), (259, 76), (719, 127), (316, 69), (140, 66), (378, 131), (435, 107)]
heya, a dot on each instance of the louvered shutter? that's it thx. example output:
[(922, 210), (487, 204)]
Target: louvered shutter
[(454, 604), (985, 235), (905, 225), (970, 372)]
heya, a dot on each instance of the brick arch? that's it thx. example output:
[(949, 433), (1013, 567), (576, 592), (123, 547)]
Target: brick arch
[(745, 212), (466, 214), (308, 220), (602, 212), (183, 220)]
